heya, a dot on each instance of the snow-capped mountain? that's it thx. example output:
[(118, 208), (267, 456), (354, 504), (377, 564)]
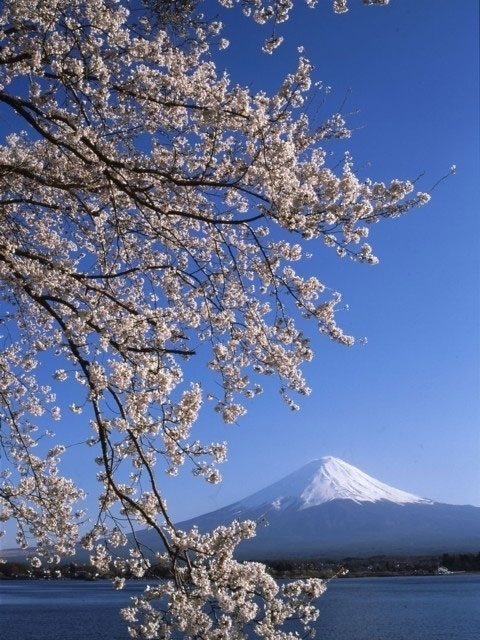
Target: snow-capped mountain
[(331, 508), (325, 480)]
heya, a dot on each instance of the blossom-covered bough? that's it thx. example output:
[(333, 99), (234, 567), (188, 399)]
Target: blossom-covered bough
[(151, 212)]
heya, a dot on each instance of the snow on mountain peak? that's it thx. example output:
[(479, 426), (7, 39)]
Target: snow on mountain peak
[(335, 479), (328, 479)]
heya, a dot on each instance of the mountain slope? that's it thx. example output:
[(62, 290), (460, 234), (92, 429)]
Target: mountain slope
[(328, 479), (330, 508)]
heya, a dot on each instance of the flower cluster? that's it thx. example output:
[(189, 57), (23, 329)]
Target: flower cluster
[(153, 212), (218, 598)]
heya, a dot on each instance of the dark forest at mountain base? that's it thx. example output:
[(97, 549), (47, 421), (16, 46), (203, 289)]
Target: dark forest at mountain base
[(375, 566), (280, 568)]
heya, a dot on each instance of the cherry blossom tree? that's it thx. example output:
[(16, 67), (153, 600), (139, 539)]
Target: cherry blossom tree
[(153, 212)]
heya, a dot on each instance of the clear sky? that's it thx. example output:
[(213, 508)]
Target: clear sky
[(405, 407)]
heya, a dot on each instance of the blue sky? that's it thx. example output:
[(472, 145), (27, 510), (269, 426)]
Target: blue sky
[(404, 408)]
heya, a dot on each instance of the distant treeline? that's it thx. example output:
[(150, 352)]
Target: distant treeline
[(375, 565), (23, 570), (280, 568), (461, 561)]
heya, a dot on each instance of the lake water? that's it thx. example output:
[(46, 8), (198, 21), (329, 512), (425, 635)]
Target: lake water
[(416, 608)]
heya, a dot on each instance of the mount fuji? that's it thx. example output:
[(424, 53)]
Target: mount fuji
[(331, 508)]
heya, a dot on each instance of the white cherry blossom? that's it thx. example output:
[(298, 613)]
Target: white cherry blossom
[(153, 212)]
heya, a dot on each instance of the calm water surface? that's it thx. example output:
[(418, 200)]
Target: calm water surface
[(417, 608)]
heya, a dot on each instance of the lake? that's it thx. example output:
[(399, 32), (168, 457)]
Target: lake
[(407, 608)]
